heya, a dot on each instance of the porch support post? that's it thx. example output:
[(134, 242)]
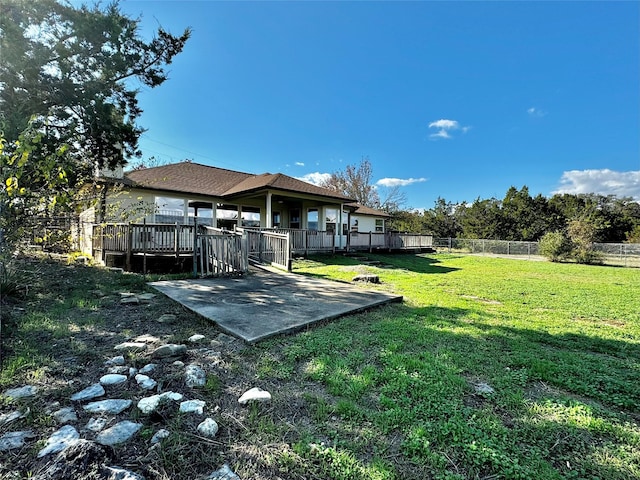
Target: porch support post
[(214, 214), (239, 220), (339, 226), (269, 219)]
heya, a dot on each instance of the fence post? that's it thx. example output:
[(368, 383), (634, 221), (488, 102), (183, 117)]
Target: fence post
[(370, 248), (176, 240), (450, 244), (195, 248), (144, 246), (129, 246)]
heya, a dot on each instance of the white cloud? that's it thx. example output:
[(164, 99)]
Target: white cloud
[(399, 182), (445, 127), (315, 178), (536, 112), (603, 182), (299, 164), (445, 124)]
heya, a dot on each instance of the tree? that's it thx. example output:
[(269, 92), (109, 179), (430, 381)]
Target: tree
[(355, 182), (555, 246), (69, 79), (443, 220), (484, 219), (583, 235)]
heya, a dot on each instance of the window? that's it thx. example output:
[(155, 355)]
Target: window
[(331, 218), (312, 219), (276, 220), (169, 210), (294, 221), (379, 225), (202, 210), (251, 217), (226, 216), (354, 225)]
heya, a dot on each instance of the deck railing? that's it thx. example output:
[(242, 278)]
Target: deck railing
[(301, 242), (221, 253)]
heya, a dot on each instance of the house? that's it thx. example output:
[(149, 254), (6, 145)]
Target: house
[(188, 210), (187, 192)]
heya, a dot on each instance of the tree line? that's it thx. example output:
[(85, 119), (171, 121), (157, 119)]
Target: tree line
[(521, 217), (516, 217)]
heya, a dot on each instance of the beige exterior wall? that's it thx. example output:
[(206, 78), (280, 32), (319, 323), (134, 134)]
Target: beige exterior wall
[(366, 223)]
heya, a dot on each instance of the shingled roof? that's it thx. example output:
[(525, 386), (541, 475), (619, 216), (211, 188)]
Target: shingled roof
[(189, 177)]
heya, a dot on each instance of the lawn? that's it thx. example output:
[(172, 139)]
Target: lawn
[(491, 368), (558, 343)]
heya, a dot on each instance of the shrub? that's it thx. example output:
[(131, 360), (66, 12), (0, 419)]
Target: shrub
[(555, 246)]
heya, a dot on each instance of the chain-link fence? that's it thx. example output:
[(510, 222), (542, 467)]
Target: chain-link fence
[(621, 254)]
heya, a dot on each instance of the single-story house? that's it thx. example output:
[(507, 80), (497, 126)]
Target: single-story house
[(221, 217), (187, 192)]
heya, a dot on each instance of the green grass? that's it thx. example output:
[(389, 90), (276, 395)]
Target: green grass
[(559, 343), (385, 394)]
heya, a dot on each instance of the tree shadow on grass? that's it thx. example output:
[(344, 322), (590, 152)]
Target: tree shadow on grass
[(426, 361)]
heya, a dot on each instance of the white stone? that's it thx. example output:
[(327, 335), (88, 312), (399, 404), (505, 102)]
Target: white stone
[(60, 440), (254, 394), (127, 294), (119, 433), (7, 418), (119, 370), (132, 300), (96, 424), (196, 338), (112, 406), (112, 379), (21, 392), (193, 406), (178, 363), (13, 440), (115, 361), (145, 297), (117, 473), (223, 473), (167, 318), (131, 346), (159, 436), (208, 428), (149, 404), (146, 382), (169, 350), (484, 388), (94, 391), (195, 376), (148, 368), (65, 415)]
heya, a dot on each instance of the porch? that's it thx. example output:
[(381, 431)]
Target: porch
[(217, 251)]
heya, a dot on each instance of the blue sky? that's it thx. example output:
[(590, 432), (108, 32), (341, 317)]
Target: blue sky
[(457, 100)]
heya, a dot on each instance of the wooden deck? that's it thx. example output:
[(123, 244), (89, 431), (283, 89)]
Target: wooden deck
[(218, 251)]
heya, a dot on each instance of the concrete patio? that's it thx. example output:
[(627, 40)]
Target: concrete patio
[(266, 302)]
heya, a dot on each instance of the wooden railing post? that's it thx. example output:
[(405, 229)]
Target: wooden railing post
[(129, 243), (195, 248), (144, 246)]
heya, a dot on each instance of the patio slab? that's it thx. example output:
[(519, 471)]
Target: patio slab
[(265, 303)]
